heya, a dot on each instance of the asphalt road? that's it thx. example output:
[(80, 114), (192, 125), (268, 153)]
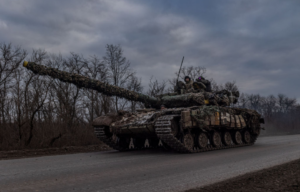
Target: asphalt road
[(151, 170)]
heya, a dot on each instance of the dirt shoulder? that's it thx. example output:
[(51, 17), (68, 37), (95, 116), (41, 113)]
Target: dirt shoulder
[(285, 177), (51, 151)]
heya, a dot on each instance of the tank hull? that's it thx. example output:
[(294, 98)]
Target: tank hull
[(186, 130)]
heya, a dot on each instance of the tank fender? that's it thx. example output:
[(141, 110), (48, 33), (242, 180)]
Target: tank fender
[(103, 121)]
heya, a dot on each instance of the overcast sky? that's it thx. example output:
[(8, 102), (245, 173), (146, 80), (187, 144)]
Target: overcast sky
[(256, 43)]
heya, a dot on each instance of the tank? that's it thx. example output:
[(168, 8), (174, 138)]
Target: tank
[(182, 121)]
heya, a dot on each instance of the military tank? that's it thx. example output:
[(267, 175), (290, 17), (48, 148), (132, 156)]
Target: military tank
[(188, 122)]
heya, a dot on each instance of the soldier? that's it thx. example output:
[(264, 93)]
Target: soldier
[(205, 82), (229, 96), (179, 86), (188, 84)]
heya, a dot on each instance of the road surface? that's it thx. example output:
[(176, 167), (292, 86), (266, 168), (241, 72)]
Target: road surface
[(151, 170)]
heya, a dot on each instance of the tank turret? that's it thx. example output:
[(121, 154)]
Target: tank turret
[(170, 100)]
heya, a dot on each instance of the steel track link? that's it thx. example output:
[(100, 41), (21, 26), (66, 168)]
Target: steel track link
[(163, 131), (100, 134)]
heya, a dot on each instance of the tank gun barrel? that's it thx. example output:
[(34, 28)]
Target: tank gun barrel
[(101, 87)]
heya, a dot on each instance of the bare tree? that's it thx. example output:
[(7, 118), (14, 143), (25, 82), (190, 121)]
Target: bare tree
[(134, 85), (10, 59), (69, 96), (243, 101), (29, 94), (119, 71), (35, 101), (255, 101), (215, 86), (156, 88), (231, 86), (96, 70), (285, 103), (269, 105)]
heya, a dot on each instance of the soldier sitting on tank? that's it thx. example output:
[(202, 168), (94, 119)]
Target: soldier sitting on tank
[(189, 84), (205, 82), (228, 96), (162, 107), (179, 86)]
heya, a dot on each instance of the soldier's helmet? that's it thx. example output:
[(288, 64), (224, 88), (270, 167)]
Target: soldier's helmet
[(200, 78), (187, 77)]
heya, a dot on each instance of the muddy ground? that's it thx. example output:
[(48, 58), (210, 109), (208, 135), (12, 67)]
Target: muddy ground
[(283, 178), (51, 151)]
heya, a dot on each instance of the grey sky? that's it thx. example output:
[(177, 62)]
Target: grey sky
[(256, 43)]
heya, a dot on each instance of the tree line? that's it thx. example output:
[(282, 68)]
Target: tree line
[(38, 111)]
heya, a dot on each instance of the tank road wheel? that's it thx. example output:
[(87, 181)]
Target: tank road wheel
[(124, 143), (153, 143), (227, 138), (202, 140), (216, 139), (107, 132), (237, 138), (188, 141), (138, 143), (174, 127), (246, 137)]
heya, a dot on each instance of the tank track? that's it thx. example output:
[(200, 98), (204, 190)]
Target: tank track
[(100, 134), (163, 131)]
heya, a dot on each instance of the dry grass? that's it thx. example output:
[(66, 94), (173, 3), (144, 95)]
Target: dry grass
[(46, 136)]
